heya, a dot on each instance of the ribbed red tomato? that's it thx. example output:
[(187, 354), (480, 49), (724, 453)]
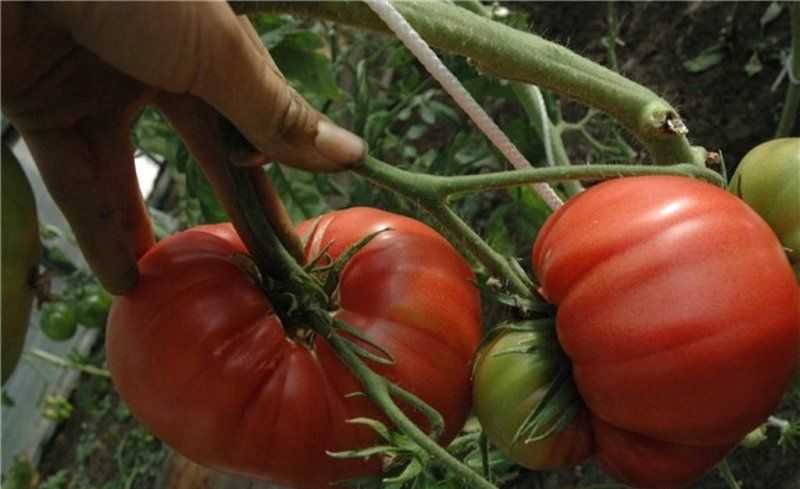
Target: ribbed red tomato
[(200, 357), (678, 308)]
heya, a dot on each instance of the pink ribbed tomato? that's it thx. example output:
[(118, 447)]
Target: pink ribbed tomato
[(678, 309), (201, 358)]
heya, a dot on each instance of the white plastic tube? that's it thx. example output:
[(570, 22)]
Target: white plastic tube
[(412, 40)]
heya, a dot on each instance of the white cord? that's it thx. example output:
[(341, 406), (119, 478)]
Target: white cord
[(412, 40)]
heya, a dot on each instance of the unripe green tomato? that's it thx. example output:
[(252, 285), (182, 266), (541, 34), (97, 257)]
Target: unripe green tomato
[(508, 385), (768, 179), (20, 259), (92, 309), (58, 321)]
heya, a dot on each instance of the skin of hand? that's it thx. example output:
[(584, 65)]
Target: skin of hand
[(76, 75)]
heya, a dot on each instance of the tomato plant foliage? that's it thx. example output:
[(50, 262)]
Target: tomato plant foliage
[(201, 358), (678, 310)]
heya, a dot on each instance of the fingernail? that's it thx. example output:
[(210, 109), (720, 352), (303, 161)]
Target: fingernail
[(339, 145)]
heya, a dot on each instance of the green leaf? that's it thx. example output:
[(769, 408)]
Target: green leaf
[(427, 114), (416, 131), (771, 13), (497, 232), (364, 452), (198, 187), (753, 66), (412, 470), (444, 110), (21, 474), (377, 122), (154, 136), (708, 58), (304, 39), (163, 223), (376, 426), (312, 71), (299, 192), (273, 28)]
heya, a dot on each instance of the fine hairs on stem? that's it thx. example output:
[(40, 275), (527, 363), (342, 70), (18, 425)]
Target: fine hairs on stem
[(412, 40)]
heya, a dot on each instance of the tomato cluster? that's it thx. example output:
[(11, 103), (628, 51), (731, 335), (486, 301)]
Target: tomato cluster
[(678, 311), (678, 321), (202, 359)]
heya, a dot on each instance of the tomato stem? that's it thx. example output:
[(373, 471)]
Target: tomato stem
[(380, 391), (491, 259), (537, 114), (268, 251), (432, 192), (262, 196), (513, 54)]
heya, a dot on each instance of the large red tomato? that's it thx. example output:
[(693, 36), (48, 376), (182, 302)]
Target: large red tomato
[(202, 360), (678, 308)]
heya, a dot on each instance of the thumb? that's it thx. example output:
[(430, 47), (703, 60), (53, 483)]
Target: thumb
[(204, 49), (246, 86)]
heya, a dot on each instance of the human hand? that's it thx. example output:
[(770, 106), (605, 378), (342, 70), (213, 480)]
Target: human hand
[(75, 76)]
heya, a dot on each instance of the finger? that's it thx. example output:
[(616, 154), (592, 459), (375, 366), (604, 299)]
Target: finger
[(286, 128), (203, 49), (198, 125), (90, 174)]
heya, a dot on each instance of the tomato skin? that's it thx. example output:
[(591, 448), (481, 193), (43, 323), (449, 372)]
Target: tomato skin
[(20, 259), (508, 386), (201, 359), (768, 179), (677, 307), (643, 462), (92, 309), (58, 321)]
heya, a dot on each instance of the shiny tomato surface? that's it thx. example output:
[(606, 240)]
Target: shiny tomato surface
[(678, 309), (201, 358)]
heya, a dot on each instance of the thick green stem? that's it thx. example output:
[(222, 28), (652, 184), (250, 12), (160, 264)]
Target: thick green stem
[(256, 211), (791, 106), (527, 96), (488, 181), (432, 192), (426, 191), (515, 55), (497, 264), (378, 390), (530, 96), (267, 250)]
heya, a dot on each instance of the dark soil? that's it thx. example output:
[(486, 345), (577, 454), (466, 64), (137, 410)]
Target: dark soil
[(724, 107)]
